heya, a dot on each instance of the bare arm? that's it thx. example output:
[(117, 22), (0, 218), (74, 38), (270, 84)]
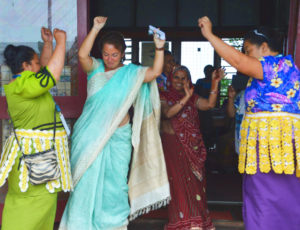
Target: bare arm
[(47, 47), (230, 105), (57, 60), (85, 60), (156, 70), (170, 111), (243, 63), (206, 104)]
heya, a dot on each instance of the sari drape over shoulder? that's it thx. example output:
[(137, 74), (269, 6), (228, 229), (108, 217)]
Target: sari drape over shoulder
[(110, 96)]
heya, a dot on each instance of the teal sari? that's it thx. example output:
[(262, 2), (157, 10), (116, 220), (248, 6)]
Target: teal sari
[(100, 199), (101, 152)]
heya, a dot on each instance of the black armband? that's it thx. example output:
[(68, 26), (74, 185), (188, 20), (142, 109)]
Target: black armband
[(44, 75)]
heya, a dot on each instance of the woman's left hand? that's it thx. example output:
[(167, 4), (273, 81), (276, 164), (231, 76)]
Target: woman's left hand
[(46, 35), (158, 42), (218, 74)]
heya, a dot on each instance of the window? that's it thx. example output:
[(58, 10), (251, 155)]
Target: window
[(195, 56), (26, 18), (128, 51), (147, 50), (22, 21), (229, 70)]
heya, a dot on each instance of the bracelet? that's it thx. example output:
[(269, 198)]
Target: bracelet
[(96, 29), (214, 92), (162, 48)]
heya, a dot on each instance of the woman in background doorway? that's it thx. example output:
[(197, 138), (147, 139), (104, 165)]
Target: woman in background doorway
[(184, 150)]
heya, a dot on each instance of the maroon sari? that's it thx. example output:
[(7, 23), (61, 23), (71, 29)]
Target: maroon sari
[(185, 156)]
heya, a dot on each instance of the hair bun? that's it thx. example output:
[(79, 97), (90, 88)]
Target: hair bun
[(10, 53)]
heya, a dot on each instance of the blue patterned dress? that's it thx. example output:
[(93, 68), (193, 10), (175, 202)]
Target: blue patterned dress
[(270, 147)]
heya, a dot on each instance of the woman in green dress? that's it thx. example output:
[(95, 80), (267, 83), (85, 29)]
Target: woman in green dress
[(32, 110)]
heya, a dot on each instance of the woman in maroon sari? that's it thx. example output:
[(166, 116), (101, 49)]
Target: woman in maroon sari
[(185, 152)]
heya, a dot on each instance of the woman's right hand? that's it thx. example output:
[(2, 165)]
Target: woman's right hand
[(99, 22), (59, 35), (231, 92), (46, 35), (157, 41)]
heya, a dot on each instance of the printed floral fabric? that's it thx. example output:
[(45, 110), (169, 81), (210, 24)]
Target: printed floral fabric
[(270, 131), (239, 104), (162, 82), (279, 89)]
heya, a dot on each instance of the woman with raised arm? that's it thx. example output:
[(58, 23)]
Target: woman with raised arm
[(32, 110), (103, 138), (184, 150), (270, 131)]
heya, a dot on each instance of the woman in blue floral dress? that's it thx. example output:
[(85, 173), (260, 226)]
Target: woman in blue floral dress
[(270, 132)]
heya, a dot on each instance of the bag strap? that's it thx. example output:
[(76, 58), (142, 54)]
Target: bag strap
[(20, 160), (54, 130)]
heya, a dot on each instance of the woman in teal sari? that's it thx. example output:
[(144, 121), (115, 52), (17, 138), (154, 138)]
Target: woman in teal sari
[(103, 138)]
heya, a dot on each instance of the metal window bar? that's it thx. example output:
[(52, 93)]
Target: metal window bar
[(128, 51)]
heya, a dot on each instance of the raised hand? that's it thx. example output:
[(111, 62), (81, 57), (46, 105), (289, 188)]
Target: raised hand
[(205, 25), (188, 91), (59, 35), (46, 35), (218, 74), (99, 22), (158, 42), (231, 92)]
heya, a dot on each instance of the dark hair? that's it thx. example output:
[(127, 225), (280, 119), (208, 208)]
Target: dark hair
[(273, 38), (185, 69), (167, 52), (16, 55), (208, 69), (114, 38), (136, 63)]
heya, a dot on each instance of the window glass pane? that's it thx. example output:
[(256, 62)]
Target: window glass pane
[(128, 51), (195, 56), (21, 22), (147, 51), (230, 71)]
